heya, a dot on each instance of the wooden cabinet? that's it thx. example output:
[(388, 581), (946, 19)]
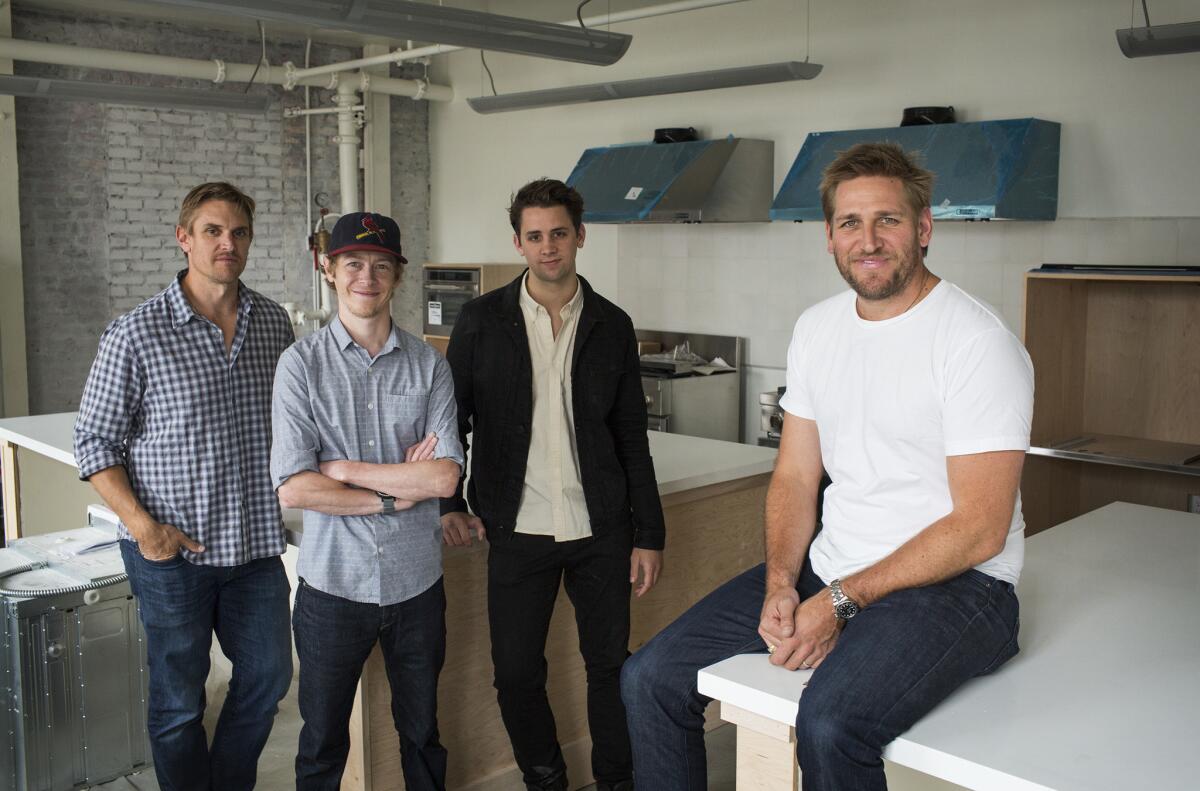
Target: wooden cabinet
[(490, 278), (1116, 356)]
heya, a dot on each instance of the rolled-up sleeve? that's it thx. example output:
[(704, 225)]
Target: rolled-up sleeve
[(295, 441), (110, 403), (443, 414)]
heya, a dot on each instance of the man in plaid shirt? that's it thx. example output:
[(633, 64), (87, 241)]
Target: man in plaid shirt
[(174, 432)]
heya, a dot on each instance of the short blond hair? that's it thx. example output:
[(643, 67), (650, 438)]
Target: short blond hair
[(215, 190), (878, 159)]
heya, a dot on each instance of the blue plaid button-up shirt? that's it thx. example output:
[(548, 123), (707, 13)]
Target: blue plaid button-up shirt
[(190, 423), (334, 401)]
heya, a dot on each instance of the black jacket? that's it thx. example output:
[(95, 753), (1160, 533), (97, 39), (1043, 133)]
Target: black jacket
[(493, 384)]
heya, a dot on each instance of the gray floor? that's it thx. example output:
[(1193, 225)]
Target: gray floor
[(275, 768)]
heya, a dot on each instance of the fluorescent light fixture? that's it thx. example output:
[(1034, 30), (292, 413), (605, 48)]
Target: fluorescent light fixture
[(648, 86), (403, 19), (1141, 42), (141, 95)]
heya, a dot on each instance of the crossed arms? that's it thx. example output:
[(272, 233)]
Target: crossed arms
[(348, 488)]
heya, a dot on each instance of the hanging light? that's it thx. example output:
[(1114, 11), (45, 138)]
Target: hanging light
[(1141, 42), (403, 19), (649, 86), (140, 95)]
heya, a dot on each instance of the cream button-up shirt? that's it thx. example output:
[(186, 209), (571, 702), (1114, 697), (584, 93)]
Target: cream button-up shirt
[(552, 502)]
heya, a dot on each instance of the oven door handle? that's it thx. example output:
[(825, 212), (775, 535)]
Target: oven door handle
[(431, 287)]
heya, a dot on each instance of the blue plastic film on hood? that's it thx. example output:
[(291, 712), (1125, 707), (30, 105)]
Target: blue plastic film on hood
[(984, 170)]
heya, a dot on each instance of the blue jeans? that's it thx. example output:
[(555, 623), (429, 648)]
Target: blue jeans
[(334, 637), (893, 662), (181, 605)]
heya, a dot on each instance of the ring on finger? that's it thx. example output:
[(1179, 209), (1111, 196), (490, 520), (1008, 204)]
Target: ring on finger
[(771, 649)]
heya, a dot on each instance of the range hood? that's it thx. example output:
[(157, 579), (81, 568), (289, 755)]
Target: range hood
[(988, 170), (726, 180)]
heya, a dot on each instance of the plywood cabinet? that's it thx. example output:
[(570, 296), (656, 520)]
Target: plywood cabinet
[(1116, 355)]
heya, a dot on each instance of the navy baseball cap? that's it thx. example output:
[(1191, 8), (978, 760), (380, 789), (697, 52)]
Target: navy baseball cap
[(366, 231)]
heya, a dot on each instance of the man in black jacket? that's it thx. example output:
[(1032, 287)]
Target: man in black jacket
[(547, 383)]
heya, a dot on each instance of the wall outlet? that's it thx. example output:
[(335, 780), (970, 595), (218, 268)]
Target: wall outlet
[(1194, 503)]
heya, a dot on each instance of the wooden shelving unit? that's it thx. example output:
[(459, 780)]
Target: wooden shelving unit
[(1116, 356)]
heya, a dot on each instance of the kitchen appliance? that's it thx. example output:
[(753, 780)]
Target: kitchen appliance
[(726, 180), (447, 289), (687, 397), (72, 661), (986, 170), (918, 116), (771, 417)]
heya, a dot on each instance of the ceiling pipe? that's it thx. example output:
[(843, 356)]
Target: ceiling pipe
[(399, 56), (217, 71), (348, 144)]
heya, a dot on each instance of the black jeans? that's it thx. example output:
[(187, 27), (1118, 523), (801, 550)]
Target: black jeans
[(523, 580), (334, 637)]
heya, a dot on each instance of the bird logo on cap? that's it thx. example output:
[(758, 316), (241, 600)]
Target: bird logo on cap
[(372, 227)]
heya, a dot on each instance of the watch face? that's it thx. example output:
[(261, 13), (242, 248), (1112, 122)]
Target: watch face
[(846, 610)]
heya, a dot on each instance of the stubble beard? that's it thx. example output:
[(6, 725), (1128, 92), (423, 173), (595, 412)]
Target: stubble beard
[(907, 262)]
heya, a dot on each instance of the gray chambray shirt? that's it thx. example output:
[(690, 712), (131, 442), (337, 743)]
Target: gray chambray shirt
[(332, 401)]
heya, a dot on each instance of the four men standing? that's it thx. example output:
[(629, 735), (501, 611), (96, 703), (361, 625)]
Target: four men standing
[(910, 394)]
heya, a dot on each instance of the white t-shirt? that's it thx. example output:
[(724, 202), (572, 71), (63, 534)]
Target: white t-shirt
[(891, 400)]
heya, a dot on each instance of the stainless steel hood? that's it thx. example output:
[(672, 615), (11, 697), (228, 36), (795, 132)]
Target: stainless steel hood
[(988, 170), (727, 180)]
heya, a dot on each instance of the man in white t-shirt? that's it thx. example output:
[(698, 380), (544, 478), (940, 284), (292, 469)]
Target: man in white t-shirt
[(916, 400)]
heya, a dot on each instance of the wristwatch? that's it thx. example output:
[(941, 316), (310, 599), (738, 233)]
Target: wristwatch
[(389, 503), (844, 607)]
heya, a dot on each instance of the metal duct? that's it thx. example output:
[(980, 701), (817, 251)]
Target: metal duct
[(141, 95), (648, 86), (1141, 42), (403, 19)]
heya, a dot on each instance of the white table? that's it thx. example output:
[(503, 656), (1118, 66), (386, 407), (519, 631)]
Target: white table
[(1105, 693)]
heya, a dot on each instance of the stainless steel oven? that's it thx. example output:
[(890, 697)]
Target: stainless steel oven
[(680, 400), (446, 291)]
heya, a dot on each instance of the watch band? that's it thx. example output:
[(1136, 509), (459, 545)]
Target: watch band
[(844, 608), (389, 503)]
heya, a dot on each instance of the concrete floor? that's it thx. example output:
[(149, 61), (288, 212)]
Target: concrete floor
[(275, 768)]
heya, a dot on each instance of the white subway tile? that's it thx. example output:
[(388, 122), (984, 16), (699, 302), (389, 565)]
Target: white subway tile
[(1189, 241), (1131, 241), (1063, 242)]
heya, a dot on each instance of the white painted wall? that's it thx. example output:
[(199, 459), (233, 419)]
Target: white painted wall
[(1129, 177)]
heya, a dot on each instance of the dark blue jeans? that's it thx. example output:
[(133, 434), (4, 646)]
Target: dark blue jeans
[(181, 605), (892, 664), (334, 637)]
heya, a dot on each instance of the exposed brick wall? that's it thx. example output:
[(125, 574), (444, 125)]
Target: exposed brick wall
[(410, 198), (100, 187)]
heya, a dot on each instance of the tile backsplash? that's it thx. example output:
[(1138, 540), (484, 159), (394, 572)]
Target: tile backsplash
[(753, 280)]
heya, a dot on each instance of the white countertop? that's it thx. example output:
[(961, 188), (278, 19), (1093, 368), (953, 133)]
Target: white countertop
[(49, 435), (680, 462), (1105, 693)]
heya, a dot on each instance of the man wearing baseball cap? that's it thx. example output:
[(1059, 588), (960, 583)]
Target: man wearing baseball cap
[(365, 441)]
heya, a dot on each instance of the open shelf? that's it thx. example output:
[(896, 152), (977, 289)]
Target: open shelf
[(1116, 357), (1135, 452)]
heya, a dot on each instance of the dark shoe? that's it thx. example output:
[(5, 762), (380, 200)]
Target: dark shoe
[(548, 779), (623, 785)]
